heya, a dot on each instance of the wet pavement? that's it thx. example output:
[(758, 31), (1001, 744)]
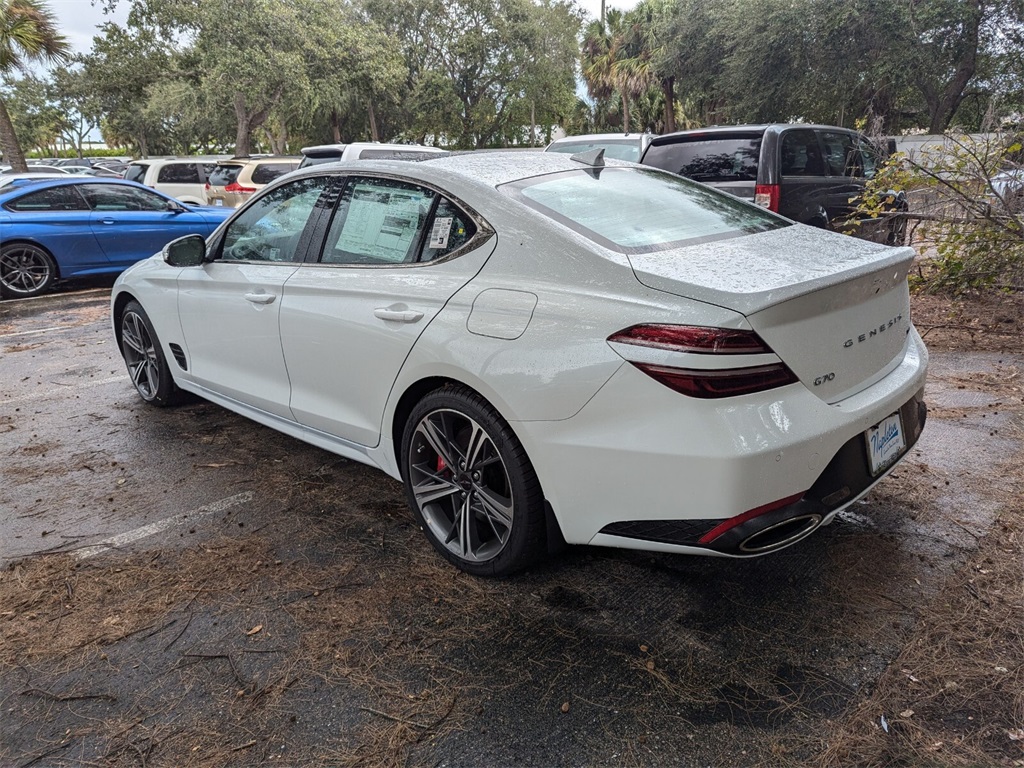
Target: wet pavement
[(370, 650)]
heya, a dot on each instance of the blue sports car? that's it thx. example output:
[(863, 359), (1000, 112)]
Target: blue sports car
[(54, 229)]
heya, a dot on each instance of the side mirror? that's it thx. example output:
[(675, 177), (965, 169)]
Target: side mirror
[(188, 251)]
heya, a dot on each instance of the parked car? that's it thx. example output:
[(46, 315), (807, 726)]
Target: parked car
[(6, 169), (813, 174), (364, 150), (234, 181), (1008, 189), (11, 178), (621, 146), (182, 178), (542, 348), (81, 225)]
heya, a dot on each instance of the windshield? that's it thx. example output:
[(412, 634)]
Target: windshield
[(622, 149), (633, 210), (730, 158)]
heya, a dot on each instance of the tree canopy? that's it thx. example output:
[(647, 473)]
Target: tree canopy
[(255, 75)]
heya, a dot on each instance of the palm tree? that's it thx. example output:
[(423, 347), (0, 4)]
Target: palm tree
[(603, 43), (28, 32)]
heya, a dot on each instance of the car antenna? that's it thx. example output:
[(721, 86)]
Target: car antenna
[(593, 157)]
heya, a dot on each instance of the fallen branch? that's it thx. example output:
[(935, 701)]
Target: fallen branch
[(402, 720), (63, 697)]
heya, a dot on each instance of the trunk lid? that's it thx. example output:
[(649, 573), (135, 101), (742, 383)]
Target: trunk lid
[(835, 309)]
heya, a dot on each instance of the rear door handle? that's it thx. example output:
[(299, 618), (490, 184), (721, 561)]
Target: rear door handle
[(260, 298), (107, 221), (398, 315)]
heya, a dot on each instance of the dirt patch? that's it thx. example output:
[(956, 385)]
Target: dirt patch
[(955, 695), (989, 321)]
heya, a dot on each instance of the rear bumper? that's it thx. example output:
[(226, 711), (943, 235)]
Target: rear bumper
[(643, 467), (846, 478)]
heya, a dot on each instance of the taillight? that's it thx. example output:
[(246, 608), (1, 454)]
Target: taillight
[(767, 196), (236, 187), (207, 186), (693, 338), (705, 383)]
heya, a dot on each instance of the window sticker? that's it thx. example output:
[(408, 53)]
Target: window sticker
[(440, 231), (382, 222)]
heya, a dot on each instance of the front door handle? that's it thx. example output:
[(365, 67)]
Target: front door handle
[(107, 221), (260, 298), (398, 315)]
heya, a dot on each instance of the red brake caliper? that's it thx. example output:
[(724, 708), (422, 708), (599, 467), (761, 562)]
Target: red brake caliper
[(441, 466)]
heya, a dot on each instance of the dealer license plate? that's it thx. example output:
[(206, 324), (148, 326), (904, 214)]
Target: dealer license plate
[(885, 443)]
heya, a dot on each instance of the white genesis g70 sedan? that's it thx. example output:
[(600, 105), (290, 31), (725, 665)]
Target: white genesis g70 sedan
[(547, 348)]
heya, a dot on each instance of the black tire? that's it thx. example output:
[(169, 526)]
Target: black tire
[(897, 234), (144, 358), (26, 270), (471, 485)]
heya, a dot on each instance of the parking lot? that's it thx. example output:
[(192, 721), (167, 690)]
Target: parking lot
[(186, 587)]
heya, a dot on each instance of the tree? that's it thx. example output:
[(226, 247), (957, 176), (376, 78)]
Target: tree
[(478, 69), (28, 32)]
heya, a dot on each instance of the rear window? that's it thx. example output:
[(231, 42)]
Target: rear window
[(640, 211), (264, 173), (309, 160), (136, 172), (223, 175), (619, 150), (730, 158)]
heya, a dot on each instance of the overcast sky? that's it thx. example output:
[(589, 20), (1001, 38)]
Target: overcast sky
[(79, 19)]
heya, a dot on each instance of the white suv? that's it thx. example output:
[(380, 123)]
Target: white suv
[(183, 178), (364, 150)]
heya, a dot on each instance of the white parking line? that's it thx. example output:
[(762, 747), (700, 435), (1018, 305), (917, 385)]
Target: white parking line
[(62, 390), (38, 330), (162, 525)]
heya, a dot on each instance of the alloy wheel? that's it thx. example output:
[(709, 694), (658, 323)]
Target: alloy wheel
[(25, 270), (140, 355), (461, 485)]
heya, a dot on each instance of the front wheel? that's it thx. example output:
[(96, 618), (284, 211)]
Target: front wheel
[(26, 270), (471, 485), (146, 363)]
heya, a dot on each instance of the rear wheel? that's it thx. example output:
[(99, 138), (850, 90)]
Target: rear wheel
[(25, 270), (471, 485), (146, 363)]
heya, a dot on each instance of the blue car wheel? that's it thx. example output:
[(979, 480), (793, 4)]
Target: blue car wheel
[(25, 270)]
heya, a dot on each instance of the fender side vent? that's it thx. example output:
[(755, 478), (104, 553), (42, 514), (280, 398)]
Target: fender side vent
[(179, 356)]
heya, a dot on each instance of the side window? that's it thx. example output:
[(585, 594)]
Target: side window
[(378, 221), (841, 156), (114, 197), (136, 173), (179, 173), (271, 228), (64, 198), (801, 155), (449, 230), (869, 157)]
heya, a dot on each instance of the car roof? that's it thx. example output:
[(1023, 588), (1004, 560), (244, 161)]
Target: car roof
[(489, 169), (601, 137), (260, 160), (69, 179), (320, 150), (713, 130)]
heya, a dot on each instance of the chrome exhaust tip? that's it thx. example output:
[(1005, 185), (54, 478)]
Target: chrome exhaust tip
[(779, 534)]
